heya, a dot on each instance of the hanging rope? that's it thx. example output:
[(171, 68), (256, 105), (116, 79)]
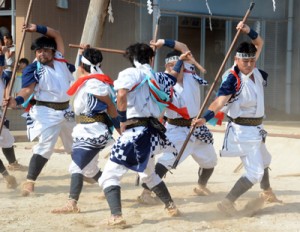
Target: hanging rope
[(210, 14), (110, 13), (274, 5)]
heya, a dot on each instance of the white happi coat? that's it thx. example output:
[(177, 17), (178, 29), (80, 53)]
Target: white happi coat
[(89, 130), (52, 86), (89, 137), (139, 104)]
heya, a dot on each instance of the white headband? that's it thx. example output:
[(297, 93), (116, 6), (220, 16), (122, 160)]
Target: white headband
[(171, 59), (245, 55), (94, 68)]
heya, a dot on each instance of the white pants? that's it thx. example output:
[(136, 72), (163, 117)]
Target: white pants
[(246, 142), (255, 163), (113, 173), (49, 136), (6, 138), (204, 154)]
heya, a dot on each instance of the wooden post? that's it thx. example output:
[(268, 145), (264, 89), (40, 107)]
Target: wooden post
[(94, 23)]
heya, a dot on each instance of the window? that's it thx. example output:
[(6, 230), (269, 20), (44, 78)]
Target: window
[(5, 4)]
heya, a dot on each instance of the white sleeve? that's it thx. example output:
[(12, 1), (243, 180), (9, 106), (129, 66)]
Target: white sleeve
[(96, 87)]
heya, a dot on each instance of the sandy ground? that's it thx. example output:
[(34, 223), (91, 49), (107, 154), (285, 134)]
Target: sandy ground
[(19, 214)]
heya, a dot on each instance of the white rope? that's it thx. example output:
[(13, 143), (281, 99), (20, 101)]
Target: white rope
[(209, 11), (149, 7), (110, 13), (257, 27), (274, 5)]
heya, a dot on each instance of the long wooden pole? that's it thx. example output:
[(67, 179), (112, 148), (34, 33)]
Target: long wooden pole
[(101, 49), (13, 77), (212, 87)]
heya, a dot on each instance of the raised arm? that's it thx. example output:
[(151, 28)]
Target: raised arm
[(179, 46), (171, 44), (255, 37), (47, 31)]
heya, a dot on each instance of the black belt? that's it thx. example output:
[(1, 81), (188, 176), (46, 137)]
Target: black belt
[(180, 121), (140, 122), (54, 105), (247, 121), (97, 118)]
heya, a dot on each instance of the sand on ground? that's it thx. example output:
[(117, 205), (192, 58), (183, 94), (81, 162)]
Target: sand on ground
[(32, 214)]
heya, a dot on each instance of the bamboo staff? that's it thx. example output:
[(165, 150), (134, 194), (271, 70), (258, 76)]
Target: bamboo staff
[(155, 33), (13, 77), (212, 86), (101, 49)]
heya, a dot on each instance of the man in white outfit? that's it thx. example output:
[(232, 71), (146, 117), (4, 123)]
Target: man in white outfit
[(141, 97), (48, 77), (186, 93), (94, 105), (243, 97)]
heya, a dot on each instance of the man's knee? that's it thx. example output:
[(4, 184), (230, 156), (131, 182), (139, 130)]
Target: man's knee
[(255, 177)]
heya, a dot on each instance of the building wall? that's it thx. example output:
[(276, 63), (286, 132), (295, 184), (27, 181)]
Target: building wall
[(296, 60), (69, 22), (132, 24), (229, 8), (124, 31), (274, 30)]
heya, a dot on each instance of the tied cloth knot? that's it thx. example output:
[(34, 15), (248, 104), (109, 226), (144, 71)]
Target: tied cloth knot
[(94, 68)]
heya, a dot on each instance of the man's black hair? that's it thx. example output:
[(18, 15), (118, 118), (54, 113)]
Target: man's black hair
[(92, 55), (44, 42), (246, 47), (173, 53), (141, 52)]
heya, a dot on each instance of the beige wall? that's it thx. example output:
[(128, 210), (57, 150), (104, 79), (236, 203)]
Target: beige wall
[(70, 23)]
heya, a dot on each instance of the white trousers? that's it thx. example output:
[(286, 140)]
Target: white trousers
[(255, 163), (113, 173), (6, 138), (203, 153), (49, 136), (246, 142)]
